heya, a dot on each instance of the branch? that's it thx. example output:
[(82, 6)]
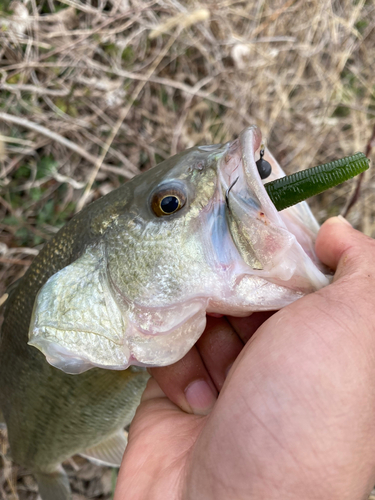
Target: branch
[(58, 138), (353, 200)]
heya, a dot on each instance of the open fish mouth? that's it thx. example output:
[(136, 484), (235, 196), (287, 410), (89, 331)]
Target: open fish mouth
[(274, 246), (247, 194), (143, 300)]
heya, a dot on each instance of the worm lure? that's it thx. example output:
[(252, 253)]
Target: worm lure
[(292, 189)]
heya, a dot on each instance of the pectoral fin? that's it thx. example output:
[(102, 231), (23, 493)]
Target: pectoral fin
[(108, 452), (54, 486)]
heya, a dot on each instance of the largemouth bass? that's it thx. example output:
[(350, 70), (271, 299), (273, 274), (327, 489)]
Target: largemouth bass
[(127, 284)]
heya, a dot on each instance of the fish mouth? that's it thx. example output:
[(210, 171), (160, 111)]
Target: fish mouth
[(247, 198), (240, 178)]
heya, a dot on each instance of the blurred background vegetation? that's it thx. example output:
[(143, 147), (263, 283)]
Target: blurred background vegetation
[(94, 92)]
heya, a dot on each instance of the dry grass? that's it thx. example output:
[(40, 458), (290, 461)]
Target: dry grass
[(95, 92)]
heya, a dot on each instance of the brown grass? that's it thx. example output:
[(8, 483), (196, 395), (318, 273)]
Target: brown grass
[(94, 92)]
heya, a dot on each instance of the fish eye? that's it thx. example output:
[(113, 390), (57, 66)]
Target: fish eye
[(168, 201)]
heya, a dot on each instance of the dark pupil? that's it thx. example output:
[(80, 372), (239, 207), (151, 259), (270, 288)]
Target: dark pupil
[(169, 204)]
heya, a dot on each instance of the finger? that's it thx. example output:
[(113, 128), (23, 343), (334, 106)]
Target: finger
[(246, 327), (152, 391), (219, 346), (187, 383), (343, 248)]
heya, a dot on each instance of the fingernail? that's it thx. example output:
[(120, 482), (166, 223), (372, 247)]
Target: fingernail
[(338, 220), (200, 397), (342, 219)]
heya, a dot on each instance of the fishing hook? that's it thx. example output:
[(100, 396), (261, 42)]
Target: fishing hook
[(227, 193)]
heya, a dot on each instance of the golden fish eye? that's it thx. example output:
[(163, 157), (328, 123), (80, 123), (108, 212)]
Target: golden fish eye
[(167, 201)]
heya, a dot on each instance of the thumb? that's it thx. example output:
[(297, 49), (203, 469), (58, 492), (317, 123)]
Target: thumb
[(343, 248)]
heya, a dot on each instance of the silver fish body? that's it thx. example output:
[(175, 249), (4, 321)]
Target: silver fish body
[(126, 285)]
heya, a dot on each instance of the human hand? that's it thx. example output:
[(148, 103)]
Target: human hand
[(295, 417)]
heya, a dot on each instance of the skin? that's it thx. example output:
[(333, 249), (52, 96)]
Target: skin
[(293, 418)]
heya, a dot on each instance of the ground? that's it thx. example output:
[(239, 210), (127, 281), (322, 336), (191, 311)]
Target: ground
[(95, 92)]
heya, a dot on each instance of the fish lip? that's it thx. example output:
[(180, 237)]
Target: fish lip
[(251, 135), (250, 141), (242, 151), (249, 188)]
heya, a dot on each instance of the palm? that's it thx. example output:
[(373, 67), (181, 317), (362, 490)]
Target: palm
[(162, 437)]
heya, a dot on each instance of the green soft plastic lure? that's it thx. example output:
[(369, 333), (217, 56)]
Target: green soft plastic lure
[(292, 189)]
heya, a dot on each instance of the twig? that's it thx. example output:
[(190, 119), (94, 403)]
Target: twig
[(80, 6), (137, 76), (355, 196), (183, 18), (171, 83), (122, 117), (13, 163), (113, 151), (89, 33), (17, 140), (52, 135), (2, 301), (19, 262), (22, 250)]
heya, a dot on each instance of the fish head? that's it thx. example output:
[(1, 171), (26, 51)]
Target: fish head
[(198, 235)]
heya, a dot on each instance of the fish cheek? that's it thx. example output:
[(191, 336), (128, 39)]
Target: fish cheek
[(134, 298), (142, 257)]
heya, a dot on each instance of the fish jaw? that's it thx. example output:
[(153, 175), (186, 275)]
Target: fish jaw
[(79, 323)]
